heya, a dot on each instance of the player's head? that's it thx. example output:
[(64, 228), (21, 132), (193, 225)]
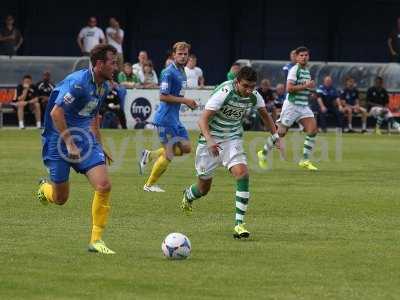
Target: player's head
[(265, 84), (328, 81), (92, 22), (302, 55), (293, 56), (378, 82), (235, 68), (27, 80), (104, 62), (246, 81), (46, 75), (349, 82), (142, 57), (180, 52), (192, 61), (9, 20)]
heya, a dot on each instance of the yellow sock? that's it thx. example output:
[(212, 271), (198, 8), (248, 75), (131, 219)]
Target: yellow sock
[(158, 169), (100, 210), (156, 153), (48, 192)]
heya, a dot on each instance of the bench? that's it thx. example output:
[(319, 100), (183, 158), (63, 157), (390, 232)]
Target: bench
[(7, 95)]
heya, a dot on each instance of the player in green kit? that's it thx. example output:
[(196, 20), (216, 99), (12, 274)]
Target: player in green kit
[(296, 109), (220, 141)]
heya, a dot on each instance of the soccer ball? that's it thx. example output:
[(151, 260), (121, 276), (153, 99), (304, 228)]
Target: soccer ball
[(176, 246)]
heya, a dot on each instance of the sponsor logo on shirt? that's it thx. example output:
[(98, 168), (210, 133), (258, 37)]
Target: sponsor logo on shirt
[(164, 85), (68, 98)]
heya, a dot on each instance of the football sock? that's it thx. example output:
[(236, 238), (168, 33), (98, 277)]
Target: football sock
[(379, 121), (350, 126), (47, 189), (100, 211), (364, 126), (156, 154), (158, 169), (308, 146), (192, 193), (271, 140), (242, 199)]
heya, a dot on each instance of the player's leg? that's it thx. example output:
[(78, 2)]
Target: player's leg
[(205, 165), (57, 189), (348, 113), (98, 178), (242, 195), (379, 114), (286, 119), (310, 127)]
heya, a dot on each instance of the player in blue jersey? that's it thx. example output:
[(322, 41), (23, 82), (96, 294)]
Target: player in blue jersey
[(173, 135), (286, 68), (71, 138)]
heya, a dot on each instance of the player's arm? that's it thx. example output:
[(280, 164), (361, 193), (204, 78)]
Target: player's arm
[(205, 131), (95, 129), (390, 45), (292, 87), (267, 119)]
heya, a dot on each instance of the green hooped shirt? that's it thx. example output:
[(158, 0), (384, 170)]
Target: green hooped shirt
[(299, 75)]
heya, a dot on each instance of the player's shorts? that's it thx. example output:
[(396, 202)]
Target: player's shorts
[(56, 159), (292, 113), (172, 134), (231, 154)]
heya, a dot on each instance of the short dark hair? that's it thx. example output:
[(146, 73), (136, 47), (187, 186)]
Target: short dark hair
[(301, 49), (247, 73), (378, 78), (27, 76), (99, 52), (192, 56)]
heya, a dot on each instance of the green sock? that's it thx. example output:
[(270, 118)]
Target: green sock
[(271, 140), (308, 146), (242, 199), (193, 193)]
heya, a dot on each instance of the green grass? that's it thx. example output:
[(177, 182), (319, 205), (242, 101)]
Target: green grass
[(334, 234)]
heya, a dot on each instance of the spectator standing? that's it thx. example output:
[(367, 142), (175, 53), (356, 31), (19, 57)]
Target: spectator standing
[(27, 97), (115, 37), (90, 36), (142, 58), (44, 89), (328, 101), (127, 78), (394, 43), (234, 70), (378, 100), (194, 74), (147, 76), (351, 103), (10, 37)]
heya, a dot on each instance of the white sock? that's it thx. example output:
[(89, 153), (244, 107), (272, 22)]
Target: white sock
[(38, 124), (21, 124), (364, 126), (350, 126)]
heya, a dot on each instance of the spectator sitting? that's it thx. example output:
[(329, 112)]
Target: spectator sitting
[(378, 100), (112, 111), (268, 95), (127, 78), (115, 37), (194, 74), (280, 96), (147, 76), (10, 37), (235, 68), (44, 89), (90, 36), (328, 101), (351, 103), (27, 97), (394, 43), (142, 57)]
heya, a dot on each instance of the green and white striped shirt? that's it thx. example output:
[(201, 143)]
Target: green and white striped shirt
[(298, 75), (230, 110)]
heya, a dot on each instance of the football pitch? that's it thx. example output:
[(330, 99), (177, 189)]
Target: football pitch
[(331, 234)]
